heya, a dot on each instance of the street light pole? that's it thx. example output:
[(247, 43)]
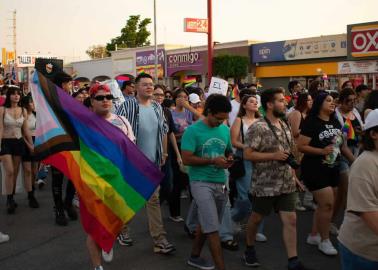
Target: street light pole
[(156, 50), (209, 41)]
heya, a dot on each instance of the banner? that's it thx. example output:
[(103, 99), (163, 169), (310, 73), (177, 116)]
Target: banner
[(358, 67), (145, 62), (297, 49), (193, 61)]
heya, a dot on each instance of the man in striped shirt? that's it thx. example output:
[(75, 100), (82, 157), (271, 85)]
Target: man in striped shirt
[(150, 128)]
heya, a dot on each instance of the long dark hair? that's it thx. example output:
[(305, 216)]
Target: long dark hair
[(242, 112), (318, 103), (302, 102), (371, 101), (11, 90)]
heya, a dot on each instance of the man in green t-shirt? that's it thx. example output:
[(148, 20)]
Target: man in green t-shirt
[(206, 148)]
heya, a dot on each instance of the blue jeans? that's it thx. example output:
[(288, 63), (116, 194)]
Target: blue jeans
[(226, 232), (351, 261), (242, 206)]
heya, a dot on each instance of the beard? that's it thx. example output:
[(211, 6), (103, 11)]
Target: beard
[(278, 114)]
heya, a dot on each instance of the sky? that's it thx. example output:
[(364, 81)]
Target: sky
[(67, 28)]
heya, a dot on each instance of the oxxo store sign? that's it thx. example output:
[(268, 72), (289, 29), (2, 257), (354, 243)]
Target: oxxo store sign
[(363, 40), (193, 61)]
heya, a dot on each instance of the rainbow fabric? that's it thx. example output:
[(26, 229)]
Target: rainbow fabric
[(234, 92), (112, 177), (189, 80), (348, 130)]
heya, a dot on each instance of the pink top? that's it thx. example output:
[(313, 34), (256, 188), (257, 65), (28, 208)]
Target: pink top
[(123, 124)]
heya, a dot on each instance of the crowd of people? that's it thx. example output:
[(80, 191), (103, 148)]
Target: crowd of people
[(236, 159)]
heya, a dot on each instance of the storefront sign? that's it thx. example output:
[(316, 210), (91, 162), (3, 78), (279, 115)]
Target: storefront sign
[(363, 40), (308, 48), (29, 60), (358, 67), (195, 25), (185, 61), (145, 62)]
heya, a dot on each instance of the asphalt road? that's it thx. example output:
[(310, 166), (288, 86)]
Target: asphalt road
[(37, 243)]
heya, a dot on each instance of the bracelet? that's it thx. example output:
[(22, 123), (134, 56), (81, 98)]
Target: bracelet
[(165, 155)]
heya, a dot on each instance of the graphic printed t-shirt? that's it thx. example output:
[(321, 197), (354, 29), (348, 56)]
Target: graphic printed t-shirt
[(362, 197), (207, 142), (270, 178), (322, 134), (148, 132), (182, 120)]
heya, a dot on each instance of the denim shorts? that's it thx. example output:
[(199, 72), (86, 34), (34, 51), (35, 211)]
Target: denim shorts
[(351, 261), (210, 201)]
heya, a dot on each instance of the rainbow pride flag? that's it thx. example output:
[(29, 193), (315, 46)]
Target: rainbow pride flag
[(348, 130), (189, 81), (112, 177), (234, 92)]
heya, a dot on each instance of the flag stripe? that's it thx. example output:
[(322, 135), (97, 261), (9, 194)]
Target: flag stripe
[(110, 135), (64, 161), (109, 150), (105, 176)]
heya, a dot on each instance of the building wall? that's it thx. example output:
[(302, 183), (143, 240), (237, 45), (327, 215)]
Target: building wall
[(93, 68)]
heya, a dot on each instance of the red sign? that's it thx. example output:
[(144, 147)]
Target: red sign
[(364, 40), (195, 25)]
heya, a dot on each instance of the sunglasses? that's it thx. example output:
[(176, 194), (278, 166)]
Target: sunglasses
[(101, 98)]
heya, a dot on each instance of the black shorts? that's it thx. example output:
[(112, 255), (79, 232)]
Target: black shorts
[(319, 176), (280, 203), (28, 156), (14, 147)]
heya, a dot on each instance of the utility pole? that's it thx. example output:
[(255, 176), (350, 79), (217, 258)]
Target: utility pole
[(209, 41), (15, 34)]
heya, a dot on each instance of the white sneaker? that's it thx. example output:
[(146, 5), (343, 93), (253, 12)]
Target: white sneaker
[(260, 237), (99, 268), (4, 237), (327, 248), (108, 257), (314, 240), (333, 229)]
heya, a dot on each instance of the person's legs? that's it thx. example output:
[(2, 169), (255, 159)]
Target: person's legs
[(28, 182), (70, 194), (16, 160), (57, 190), (323, 214), (289, 232), (216, 250), (342, 192), (8, 172), (226, 231), (94, 251)]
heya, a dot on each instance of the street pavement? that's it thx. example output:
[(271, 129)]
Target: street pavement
[(38, 244)]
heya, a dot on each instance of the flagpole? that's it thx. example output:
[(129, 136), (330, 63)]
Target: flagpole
[(156, 50)]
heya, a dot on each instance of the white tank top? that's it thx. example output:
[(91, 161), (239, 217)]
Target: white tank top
[(12, 127)]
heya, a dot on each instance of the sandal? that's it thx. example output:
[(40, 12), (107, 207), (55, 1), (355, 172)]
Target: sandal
[(230, 245)]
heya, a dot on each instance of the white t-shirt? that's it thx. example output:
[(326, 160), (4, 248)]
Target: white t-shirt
[(362, 197), (234, 112)]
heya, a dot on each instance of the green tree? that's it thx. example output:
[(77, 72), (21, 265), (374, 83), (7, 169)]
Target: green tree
[(231, 66), (133, 34), (97, 51)]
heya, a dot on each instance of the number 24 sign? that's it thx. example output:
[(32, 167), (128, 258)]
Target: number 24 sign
[(195, 25)]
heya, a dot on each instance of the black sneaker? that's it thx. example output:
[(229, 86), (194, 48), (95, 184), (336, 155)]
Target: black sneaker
[(60, 217), (298, 266), (250, 258), (11, 206), (71, 212), (33, 202)]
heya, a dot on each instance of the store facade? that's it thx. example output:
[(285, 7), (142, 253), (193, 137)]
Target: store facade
[(277, 63)]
